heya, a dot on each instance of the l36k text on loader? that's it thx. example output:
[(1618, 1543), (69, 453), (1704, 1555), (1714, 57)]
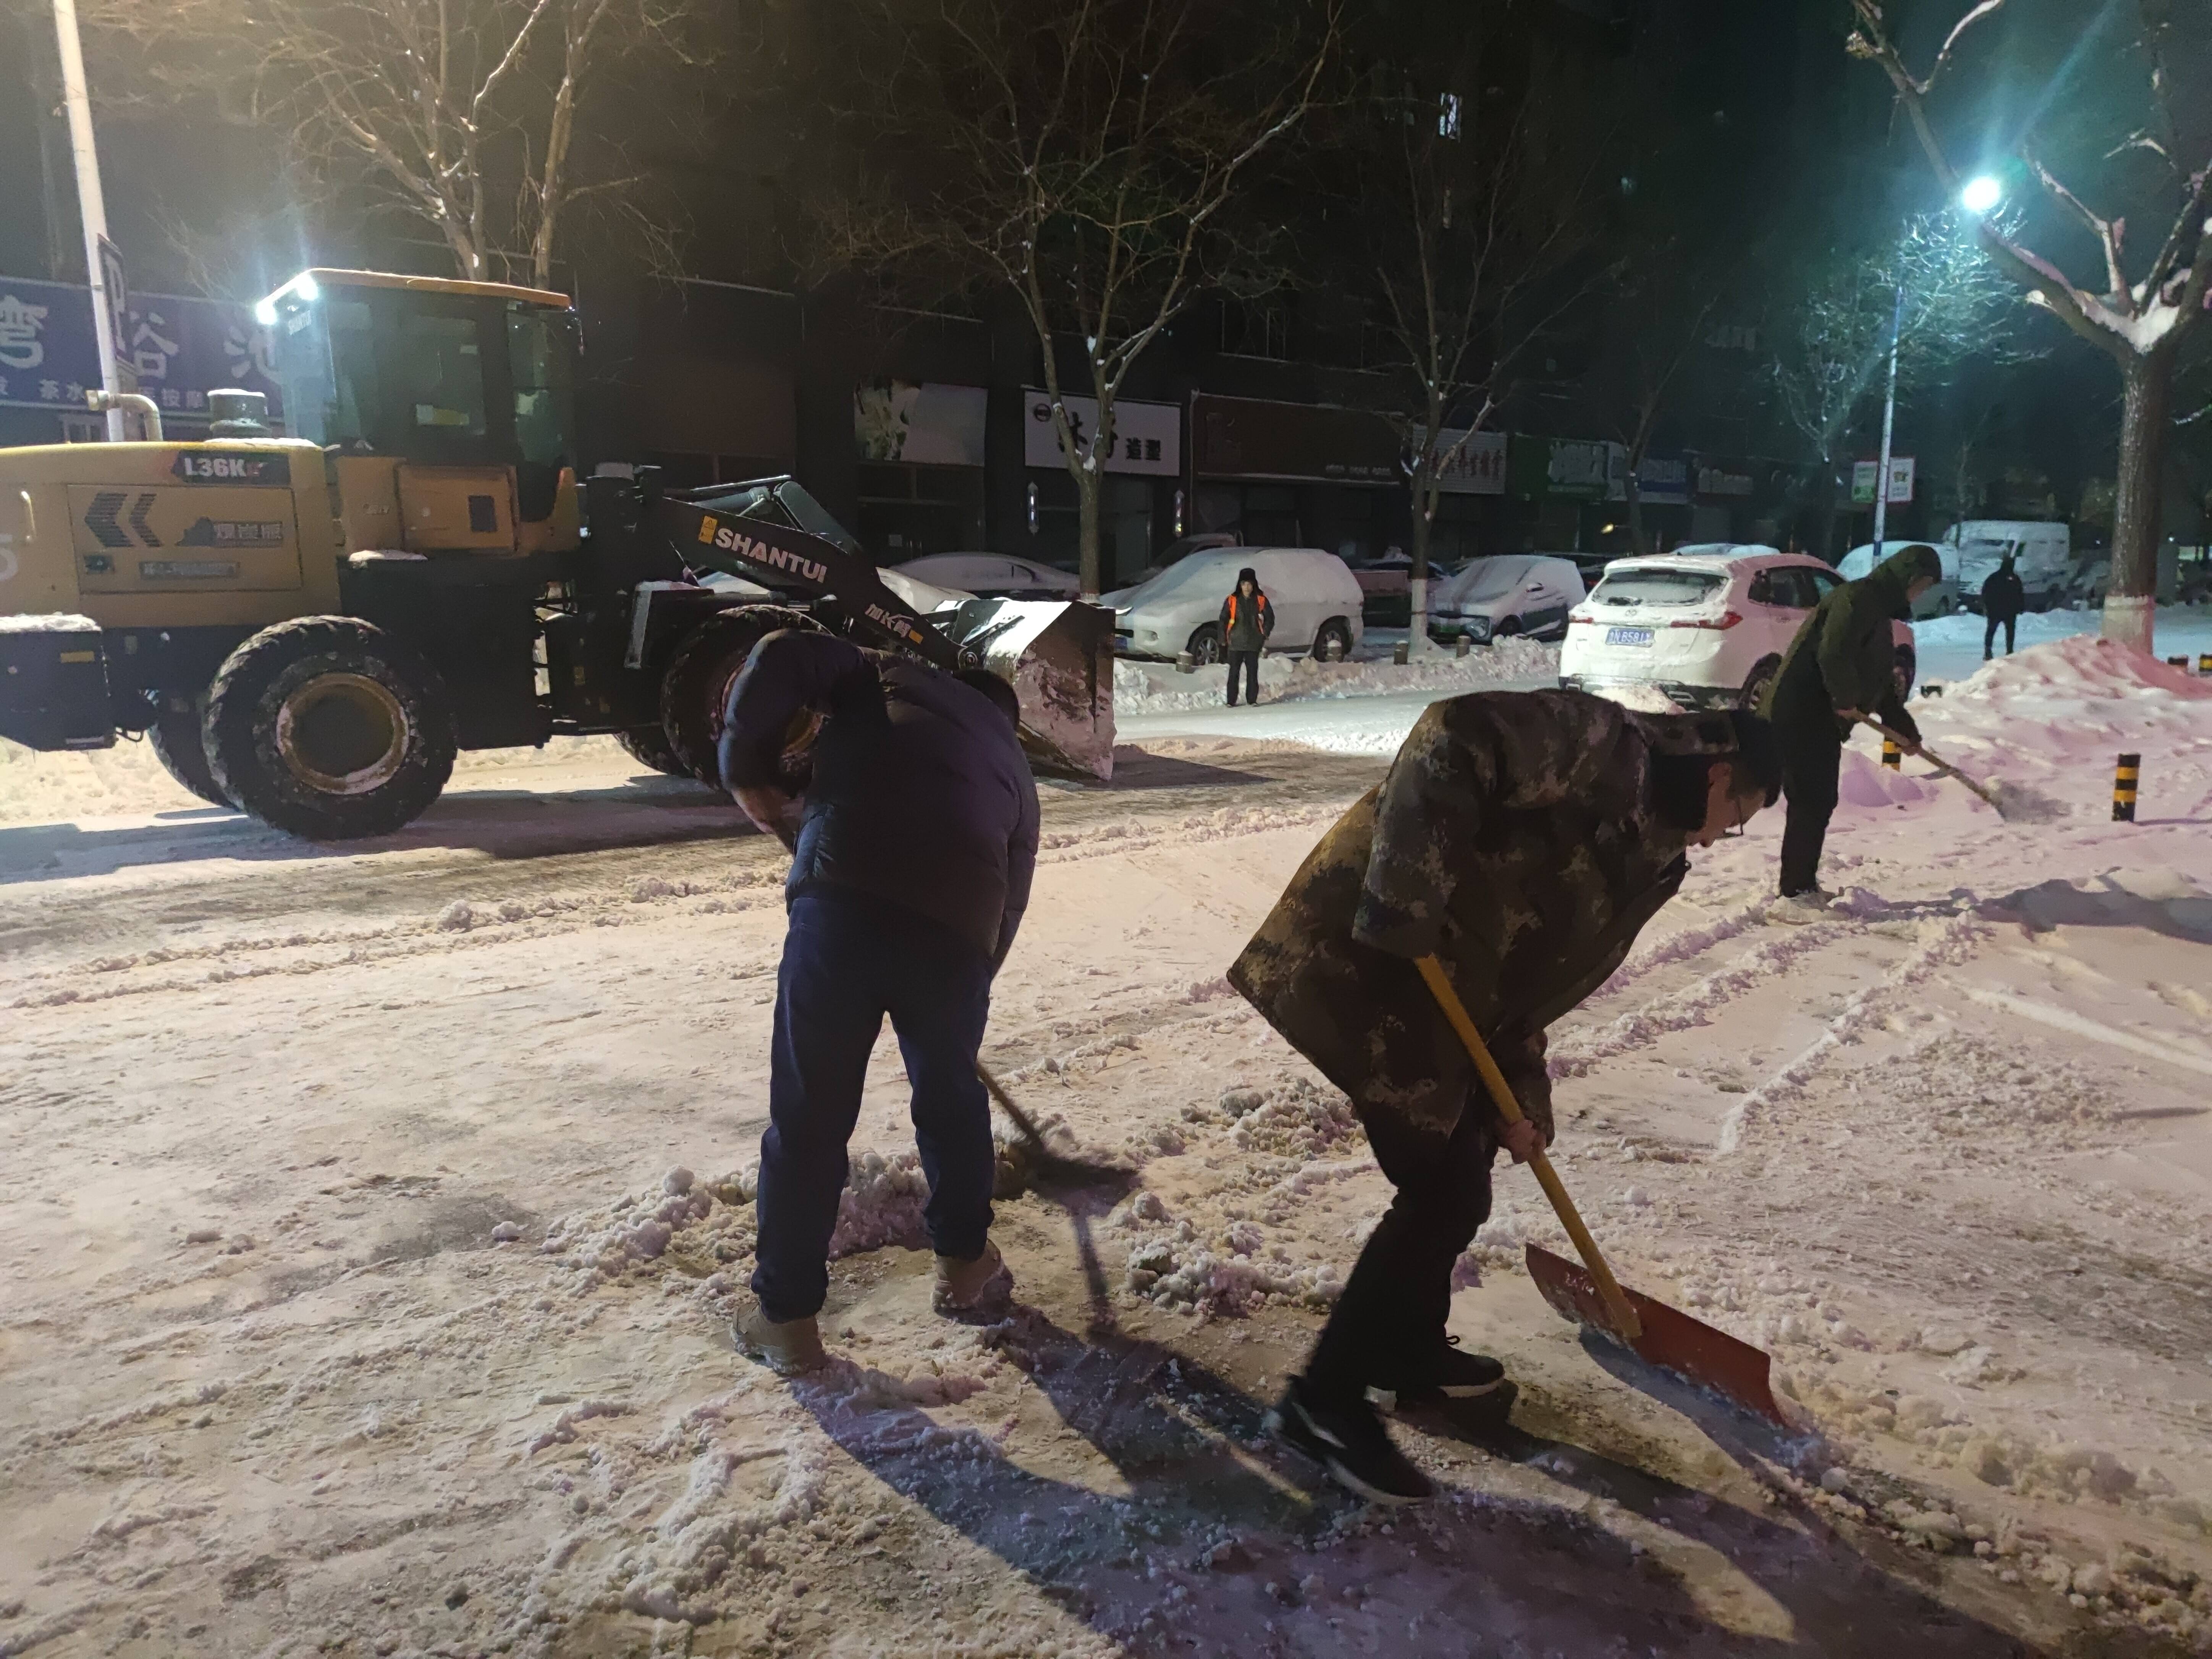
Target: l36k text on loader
[(308, 628)]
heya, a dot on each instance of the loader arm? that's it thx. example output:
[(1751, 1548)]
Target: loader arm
[(759, 549), (1058, 657)]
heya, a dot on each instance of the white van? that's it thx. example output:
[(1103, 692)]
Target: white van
[(1940, 600), (2043, 552), (1316, 597)]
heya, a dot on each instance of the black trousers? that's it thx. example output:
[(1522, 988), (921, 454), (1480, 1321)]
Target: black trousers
[(1989, 634), (1388, 1325), (1812, 760), (1249, 662)]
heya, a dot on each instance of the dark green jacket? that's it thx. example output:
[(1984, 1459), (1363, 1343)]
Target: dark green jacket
[(1844, 655), (1518, 840), (1246, 623)]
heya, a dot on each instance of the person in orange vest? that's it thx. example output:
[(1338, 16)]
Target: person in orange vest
[(1246, 619)]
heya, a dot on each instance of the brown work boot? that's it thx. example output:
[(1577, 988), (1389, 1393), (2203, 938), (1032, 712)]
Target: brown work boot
[(962, 1285), (790, 1348)]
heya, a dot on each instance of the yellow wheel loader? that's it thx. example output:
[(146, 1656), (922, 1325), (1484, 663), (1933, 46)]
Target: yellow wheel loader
[(308, 628)]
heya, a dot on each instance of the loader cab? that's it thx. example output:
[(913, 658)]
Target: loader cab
[(449, 408)]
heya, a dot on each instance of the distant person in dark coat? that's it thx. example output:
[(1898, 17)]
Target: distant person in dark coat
[(2004, 596), (913, 842), (1841, 667), (1246, 619)]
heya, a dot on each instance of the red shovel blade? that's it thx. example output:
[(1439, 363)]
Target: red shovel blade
[(1697, 1352)]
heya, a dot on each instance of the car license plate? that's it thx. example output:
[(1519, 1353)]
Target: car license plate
[(1628, 636)]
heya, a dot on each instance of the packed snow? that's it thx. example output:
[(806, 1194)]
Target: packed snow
[(368, 1274)]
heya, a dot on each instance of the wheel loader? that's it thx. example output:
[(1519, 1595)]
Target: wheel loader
[(307, 629)]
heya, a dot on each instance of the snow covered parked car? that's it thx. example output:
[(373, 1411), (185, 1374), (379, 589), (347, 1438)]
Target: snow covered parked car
[(1509, 593), (1704, 625), (1315, 598), (992, 576)]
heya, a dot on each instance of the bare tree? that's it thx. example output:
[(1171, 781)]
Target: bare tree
[(1088, 156), (461, 113), (2142, 323), (1830, 349), (1668, 308), (1479, 244)]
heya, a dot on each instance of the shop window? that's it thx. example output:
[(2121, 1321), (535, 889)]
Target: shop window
[(1255, 328), (907, 511)]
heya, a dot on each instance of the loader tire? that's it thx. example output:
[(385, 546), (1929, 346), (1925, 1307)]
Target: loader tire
[(328, 728), (648, 746), (697, 685), (180, 743)]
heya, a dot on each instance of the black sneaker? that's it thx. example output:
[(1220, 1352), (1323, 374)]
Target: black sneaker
[(1351, 1443), (1450, 1373)]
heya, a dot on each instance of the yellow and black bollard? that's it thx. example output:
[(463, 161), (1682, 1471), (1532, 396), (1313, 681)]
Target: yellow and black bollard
[(2204, 662), (1892, 756), (2123, 788)]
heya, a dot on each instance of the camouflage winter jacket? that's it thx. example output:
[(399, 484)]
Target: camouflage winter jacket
[(1517, 839)]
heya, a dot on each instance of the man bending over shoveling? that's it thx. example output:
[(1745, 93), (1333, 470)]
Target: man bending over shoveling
[(1524, 839)]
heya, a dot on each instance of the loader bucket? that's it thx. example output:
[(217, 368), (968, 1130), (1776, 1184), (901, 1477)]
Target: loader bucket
[(1058, 658)]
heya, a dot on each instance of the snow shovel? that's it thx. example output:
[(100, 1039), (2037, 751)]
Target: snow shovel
[(1048, 1166), (1935, 761), (1666, 1337)]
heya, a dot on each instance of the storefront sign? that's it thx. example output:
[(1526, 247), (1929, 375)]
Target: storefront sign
[(1901, 468), (1147, 437), (928, 423), (1719, 481), (1560, 468), (1664, 481), (1475, 467), (1250, 438), (179, 348)]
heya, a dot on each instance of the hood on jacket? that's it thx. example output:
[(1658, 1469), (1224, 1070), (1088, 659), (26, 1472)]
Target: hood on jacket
[(1895, 574), (1248, 575)]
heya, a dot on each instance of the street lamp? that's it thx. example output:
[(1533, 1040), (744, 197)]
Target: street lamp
[(1981, 194)]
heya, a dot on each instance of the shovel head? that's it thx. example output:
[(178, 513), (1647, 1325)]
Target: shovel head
[(1058, 658), (1697, 1352)]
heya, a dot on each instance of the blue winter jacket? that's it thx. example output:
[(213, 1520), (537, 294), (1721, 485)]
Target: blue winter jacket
[(920, 794)]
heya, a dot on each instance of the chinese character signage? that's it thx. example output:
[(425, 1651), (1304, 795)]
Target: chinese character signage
[(1664, 481), (1561, 469), (179, 348), (1901, 468), (1147, 437)]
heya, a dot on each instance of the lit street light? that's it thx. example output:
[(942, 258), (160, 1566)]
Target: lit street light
[(1981, 195)]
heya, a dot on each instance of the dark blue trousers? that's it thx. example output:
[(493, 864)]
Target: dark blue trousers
[(849, 959)]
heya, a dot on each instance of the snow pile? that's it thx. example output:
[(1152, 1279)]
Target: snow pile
[(60, 621), (1145, 688), (1296, 1118), (1224, 1272), (634, 1229), (1867, 784), (2077, 669)]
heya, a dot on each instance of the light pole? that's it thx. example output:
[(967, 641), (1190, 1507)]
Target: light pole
[(1888, 427), (1980, 196), (92, 206)]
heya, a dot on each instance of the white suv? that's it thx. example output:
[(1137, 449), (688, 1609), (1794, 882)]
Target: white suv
[(1704, 625)]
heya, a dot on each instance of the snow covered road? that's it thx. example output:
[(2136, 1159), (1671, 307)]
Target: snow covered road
[(348, 1301)]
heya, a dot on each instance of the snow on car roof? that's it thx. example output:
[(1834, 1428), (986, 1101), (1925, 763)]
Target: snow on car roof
[(1708, 555)]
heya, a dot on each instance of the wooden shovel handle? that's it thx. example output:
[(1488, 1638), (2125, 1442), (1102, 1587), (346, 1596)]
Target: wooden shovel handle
[(1934, 760), (1625, 1322)]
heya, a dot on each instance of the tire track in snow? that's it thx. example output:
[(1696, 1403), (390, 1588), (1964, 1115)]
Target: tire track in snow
[(1942, 945), (1694, 1004)]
